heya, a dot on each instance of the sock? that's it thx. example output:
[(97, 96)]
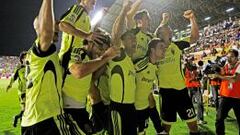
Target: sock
[(154, 115)]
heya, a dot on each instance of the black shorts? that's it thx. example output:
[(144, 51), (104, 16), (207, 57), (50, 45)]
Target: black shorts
[(81, 117), (101, 122), (142, 119), (176, 101), (52, 126), (123, 119)]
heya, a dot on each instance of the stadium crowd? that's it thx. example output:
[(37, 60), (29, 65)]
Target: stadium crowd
[(117, 72), (7, 66), (223, 35)]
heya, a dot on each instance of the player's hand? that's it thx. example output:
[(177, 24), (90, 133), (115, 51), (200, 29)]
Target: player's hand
[(127, 5), (95, 36), (188, 14), (166, 16), (111, 52)]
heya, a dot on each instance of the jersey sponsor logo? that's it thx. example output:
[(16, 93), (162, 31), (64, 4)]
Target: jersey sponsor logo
[(144, 79)]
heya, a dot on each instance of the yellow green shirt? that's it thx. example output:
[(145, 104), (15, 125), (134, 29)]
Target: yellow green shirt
[(142, 43), (79, 18), (103, 86), (122, 83), (19, 73), (146, 74), (44, 81), (170, 71), (75, 90)]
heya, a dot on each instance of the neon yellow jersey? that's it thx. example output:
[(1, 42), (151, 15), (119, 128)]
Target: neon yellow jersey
[(170, 71), (122, 83), (103, 86), (79, 18), (142, 43), (19, 73), (44, 81), (75, 90), (146, 75)]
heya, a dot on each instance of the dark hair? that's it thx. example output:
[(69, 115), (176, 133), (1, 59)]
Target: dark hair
[(234, 51), (152, 44), (22, 56), (139, 15), (106, 38)]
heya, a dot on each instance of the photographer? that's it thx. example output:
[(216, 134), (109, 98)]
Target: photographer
[(214, 87), (214, 68), (229, 91), (193, 75)]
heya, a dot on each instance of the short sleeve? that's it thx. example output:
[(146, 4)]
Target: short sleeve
[(77, 56)]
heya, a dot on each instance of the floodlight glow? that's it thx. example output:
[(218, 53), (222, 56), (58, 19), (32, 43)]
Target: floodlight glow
[(175, 30), (189, 25), (207, 18), (229, 10), (97, 17)]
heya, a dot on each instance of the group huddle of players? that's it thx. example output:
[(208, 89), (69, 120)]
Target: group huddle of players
[(116, 72)]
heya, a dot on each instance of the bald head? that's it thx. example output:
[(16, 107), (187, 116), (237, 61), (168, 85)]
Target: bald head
[(164, 32)]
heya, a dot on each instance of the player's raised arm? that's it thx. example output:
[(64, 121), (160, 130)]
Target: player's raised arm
[(129, 18), (194, 26), (45, 22), (117, 29)]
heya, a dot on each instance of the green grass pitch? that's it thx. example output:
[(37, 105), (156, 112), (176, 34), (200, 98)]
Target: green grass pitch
[(9, 107)]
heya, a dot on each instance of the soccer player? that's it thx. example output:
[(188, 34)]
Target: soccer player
[(81, 63), (19, 74), (173, 90), (75, 25), (146, 75), (139, 22), (43, 112), (122, 83), (229, 91)]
